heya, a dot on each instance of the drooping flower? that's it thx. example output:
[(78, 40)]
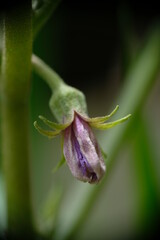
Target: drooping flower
[(80, 148), (82, 152)]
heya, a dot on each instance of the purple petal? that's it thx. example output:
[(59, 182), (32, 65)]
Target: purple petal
[(71, 154), (83, 164), (88, 146), (82, 152)]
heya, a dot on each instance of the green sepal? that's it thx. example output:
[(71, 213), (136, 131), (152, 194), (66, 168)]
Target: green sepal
[(59, 164), (102, 119), (53, 125), (104, 154), (104, 126), (49, 134)]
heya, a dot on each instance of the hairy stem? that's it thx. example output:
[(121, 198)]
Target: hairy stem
[(48, 74)]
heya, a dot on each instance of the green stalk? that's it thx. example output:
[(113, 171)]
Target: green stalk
[(51, 77), (15, 89)]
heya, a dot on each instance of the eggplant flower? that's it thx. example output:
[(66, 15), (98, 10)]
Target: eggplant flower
[(80, 148)]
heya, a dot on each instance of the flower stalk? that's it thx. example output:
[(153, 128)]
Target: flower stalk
[(64, 98)]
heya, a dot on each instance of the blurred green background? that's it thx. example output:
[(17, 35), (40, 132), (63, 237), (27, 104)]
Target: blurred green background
[(92, 45)]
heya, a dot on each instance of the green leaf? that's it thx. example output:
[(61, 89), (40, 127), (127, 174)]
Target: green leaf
[(104, 154), (60, 163)]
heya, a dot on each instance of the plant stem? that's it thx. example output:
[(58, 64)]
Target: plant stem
[(47, 73), (15, 88), (42, 14)]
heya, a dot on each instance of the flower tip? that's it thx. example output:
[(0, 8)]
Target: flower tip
[(42, 118), (128, 116), (35, 124)]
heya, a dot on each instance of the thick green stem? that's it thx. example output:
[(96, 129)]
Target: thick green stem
[(15, 85)]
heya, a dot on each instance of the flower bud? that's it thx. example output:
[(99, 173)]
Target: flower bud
[(68, 106), (82, 152), (80, 148), (65, 101)]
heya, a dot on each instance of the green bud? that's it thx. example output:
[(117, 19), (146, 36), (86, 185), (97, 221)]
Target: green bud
[(65, 100)]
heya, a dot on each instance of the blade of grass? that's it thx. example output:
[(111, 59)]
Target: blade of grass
[(148, 210)]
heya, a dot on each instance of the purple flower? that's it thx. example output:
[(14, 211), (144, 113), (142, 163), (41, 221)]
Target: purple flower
[(80, 148), (82, 152)]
